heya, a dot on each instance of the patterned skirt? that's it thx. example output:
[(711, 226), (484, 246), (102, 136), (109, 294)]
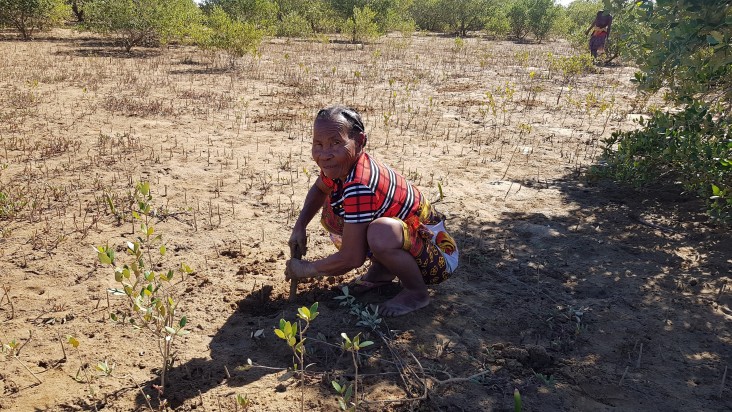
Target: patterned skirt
[(425, 238)]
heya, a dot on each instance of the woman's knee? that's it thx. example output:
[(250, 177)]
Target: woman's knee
[(385, 234)]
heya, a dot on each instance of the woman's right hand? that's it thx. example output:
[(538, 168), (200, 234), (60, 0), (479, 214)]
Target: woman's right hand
[(298, 243)]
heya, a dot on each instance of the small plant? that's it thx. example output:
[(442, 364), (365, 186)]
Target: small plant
[(243, 402), (71, 340), (458, 45), (148, 292), (353, 346), (295, 338), (517, 406), (367, 316), (11, 350), (547, 380), (345, 392)]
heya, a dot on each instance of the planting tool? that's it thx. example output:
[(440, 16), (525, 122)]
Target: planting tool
[(296, 254)]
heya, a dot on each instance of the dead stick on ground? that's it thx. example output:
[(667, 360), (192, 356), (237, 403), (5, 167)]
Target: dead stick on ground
[(623, 377), (721, 387), (6, 289), (26, 368), (640, 354)]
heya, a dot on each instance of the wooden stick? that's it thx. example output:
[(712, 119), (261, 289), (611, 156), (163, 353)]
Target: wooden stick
[(640, 354), (293, 282), (724, 377), (623, 377)]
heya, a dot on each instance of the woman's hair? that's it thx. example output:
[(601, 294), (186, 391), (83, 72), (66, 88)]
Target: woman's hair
[(348, 114)]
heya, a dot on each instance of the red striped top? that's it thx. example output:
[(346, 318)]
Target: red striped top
[(370, 191)]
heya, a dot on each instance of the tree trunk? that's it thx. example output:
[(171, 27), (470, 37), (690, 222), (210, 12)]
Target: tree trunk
[(79, 13)]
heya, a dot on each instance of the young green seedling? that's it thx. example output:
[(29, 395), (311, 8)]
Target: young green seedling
[(345, 392), (353, 346), (148, 292), (288, 331), (242, 401)]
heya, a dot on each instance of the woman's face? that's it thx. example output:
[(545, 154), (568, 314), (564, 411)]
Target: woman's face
[(333, 151)]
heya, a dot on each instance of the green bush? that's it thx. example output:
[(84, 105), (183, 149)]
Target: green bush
[(429, 15), (319, 14), (222, 33), (27, 16), (362, 26), (262, 14), (142, 22), (497, 24), (518, 19), (294, 25), (693, 147), (541, 15)]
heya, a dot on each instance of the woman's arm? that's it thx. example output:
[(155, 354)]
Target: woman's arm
[(351, 255), (313, 202)]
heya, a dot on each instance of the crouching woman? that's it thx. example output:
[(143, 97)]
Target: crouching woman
[(371, 212)]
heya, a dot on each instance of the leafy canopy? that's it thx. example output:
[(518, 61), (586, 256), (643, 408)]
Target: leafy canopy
[(27, 16), (143, 22)]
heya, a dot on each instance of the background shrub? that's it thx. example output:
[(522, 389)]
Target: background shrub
[(143, 22), (234, 37), (28, 16)]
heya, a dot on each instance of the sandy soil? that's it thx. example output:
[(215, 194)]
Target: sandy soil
[(580, 294)]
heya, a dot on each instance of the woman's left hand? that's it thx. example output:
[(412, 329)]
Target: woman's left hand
[(300, 269)]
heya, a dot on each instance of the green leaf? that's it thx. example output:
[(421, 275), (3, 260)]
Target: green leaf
[(162, 250), (366, 343), (72, 341), (280, 334), (183, 322), (144, 188), (170, 330), (349, 392), (104, 258), (715, 190)]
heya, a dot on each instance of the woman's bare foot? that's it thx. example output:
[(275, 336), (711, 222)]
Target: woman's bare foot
[(404, 302), (377, 273), (377, 276)]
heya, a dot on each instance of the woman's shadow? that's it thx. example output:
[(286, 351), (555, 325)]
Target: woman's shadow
[(230, 348)]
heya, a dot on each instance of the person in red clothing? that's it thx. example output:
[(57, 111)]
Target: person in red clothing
[(372, 212), (600, 29)]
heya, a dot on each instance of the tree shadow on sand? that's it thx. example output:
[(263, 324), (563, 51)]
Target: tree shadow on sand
[(611, 303), (619, 290), (234, 344)]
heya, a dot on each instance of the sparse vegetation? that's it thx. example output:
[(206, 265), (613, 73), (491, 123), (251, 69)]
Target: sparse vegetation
[(494, 133)]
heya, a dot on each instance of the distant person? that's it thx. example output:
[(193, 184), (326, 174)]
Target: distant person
[(371, 211), (600, 29)]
